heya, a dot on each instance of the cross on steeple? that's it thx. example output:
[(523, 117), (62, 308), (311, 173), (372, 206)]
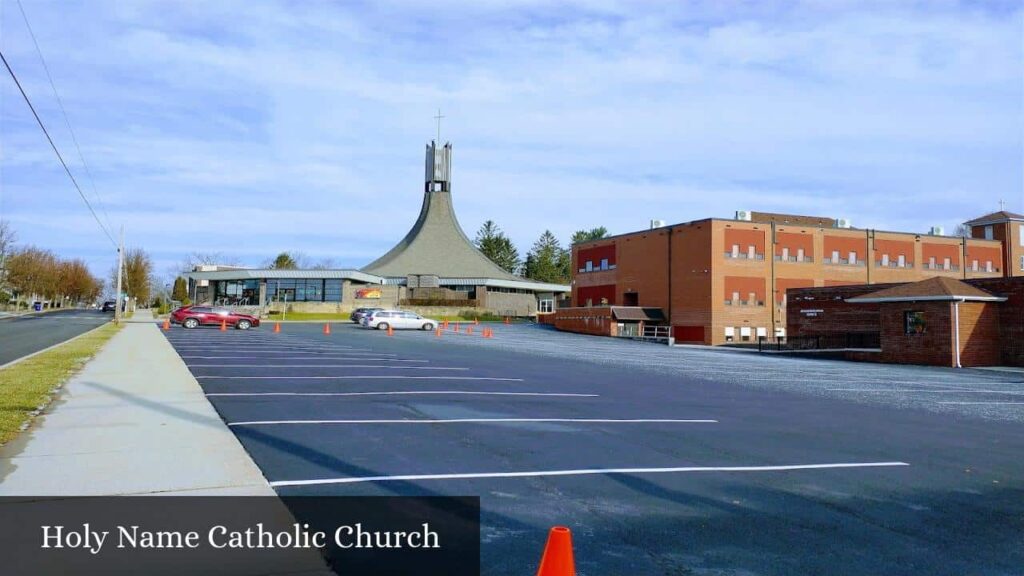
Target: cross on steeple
[(438, 118), (1002, 203)]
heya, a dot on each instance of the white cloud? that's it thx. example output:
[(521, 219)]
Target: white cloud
[(255, 127)]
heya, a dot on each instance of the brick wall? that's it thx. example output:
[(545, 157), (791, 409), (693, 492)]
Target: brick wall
[(820, 311), (1011, 316), (932, 347), (595, 320), (979, 334)]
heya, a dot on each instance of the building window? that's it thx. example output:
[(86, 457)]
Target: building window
[(913, 322), (931, 262), (799, 254), (901, 261), (751, 252), (745, 333), (835, 256), (946, 264), (988, 233), (735, 250), (988, 266), (1020, 234), (785, 254), (589, 267), (604, 263), (545, 306), (853, 257), (730, 333), (1022, 262), (885, 260), (974, 265)]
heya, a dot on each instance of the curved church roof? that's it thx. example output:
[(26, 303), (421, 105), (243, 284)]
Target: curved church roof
[(436, 244)]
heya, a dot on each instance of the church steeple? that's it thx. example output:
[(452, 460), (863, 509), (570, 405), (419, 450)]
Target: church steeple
[(439, 168)]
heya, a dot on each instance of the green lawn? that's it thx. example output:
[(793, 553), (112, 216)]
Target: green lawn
[(28, 385)]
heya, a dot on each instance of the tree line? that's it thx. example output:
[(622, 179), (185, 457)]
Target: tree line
[(547, 260), (32, 272)]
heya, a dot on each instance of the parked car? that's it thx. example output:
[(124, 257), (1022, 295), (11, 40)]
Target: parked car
[(397, 319), (359, 313), (196, 316), (109, 306)]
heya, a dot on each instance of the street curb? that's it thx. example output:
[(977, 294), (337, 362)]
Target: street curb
[(48, 348)]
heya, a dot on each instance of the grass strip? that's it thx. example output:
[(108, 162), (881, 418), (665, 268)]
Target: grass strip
[(28, 386)]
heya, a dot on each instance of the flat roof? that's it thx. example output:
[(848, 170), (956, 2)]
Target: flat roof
[(358, 276)]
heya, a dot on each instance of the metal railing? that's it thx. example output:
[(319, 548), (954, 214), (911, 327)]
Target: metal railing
[(843, 341), (806, 259), (842, 262)]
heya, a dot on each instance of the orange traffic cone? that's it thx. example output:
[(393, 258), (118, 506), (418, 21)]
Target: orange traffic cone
[(507, 321), (277, 327), (223, 325), (391, 331), (167, 324), (437, 333), (469, 330), (557, 558), (327, 328), (456, 326)]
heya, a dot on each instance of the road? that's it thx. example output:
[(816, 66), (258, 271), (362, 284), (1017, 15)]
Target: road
[(23, 335), (656, 471)]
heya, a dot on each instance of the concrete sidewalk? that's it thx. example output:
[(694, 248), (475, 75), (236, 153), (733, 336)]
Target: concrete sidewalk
[(133, 421)]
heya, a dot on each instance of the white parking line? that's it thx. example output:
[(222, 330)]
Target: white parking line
[(480, 421), (994, 402), (374, 366), (928, 391), (404, 392), (365, 377), (360, 359), (582, 472)]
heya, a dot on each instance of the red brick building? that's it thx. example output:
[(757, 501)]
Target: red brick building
[(938, 321), (718, 280)]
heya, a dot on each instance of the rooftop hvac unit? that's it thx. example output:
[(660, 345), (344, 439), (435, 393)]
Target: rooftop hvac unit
[(657, 224), (843, 223), (937, 231), (743, 215)]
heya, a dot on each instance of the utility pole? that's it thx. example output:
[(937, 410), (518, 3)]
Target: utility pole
[(120, 267)]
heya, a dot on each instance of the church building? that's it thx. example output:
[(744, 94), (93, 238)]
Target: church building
[(434, 265)]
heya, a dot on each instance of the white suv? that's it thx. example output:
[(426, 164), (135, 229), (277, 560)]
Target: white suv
[(398, 320)]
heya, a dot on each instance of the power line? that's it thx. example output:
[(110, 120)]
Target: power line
[(64, 112), (55, 150)]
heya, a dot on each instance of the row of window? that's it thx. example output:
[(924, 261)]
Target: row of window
[(751, 301), (851, 259), (747, 333), (590, 266), (304, 290)]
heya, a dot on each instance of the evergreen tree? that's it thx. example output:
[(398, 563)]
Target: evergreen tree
[(587, 235), (180, 290), (284, 261), (499, 248), (548, 261)]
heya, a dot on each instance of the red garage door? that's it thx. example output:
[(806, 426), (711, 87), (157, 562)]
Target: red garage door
[(688, 333)]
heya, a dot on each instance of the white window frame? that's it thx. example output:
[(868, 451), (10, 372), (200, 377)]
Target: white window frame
[(931, 263), (735, 250), (852, 257), (885, 259), (799, 254), (835, 256), (947, 263), (604, 263), (785, 254), (989, 235), (589, 266), (988, 266), (751, 252), (901, 261), (546, 305)]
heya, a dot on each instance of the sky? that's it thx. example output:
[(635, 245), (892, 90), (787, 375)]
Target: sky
[(249, 128)]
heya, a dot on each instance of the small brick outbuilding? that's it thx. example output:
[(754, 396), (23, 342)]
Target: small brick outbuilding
[(939, 321)]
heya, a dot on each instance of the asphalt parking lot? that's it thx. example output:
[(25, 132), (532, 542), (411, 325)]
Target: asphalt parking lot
[(662, 461)]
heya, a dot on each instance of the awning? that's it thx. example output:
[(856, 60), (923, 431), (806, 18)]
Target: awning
[(636, 313)]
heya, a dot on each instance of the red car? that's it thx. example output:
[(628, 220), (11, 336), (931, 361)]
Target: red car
[(196, 316)]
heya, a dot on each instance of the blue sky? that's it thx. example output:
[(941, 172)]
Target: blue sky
[(247, 128)]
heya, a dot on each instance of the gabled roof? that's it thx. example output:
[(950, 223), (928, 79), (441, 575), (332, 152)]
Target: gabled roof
[(995, 217), (933, 289)]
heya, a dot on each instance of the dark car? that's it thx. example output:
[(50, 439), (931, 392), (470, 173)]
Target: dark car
[(359, 313), (109, 306), (196, 316)]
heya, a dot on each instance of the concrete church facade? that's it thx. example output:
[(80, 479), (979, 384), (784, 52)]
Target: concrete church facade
[(435, 266)]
